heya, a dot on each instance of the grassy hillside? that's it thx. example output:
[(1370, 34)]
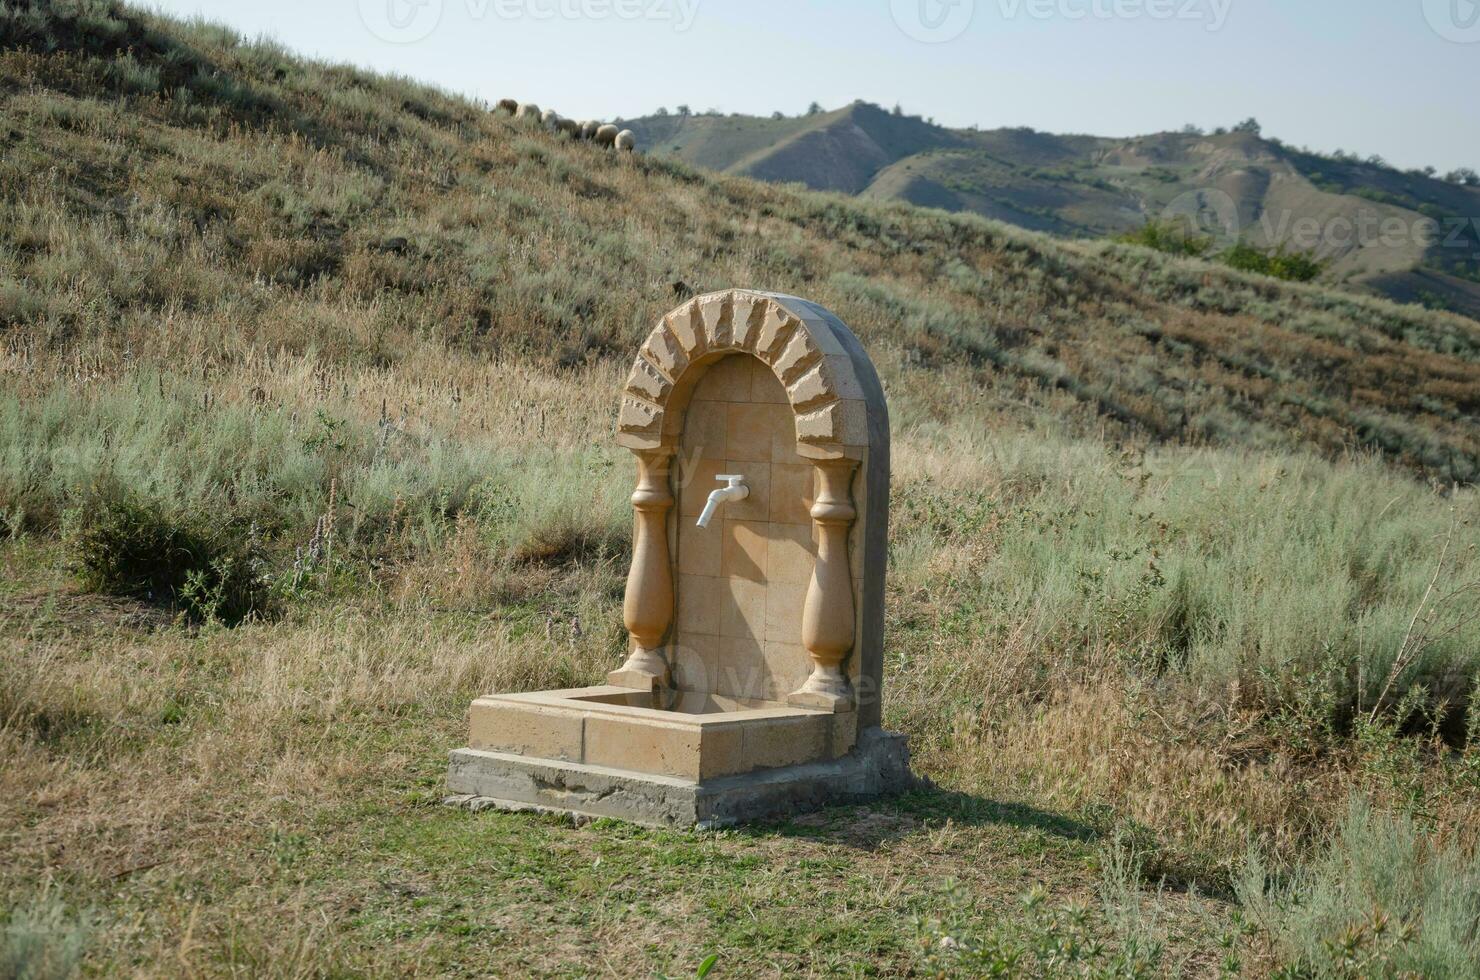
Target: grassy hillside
[(1376, 229), (314, 210), (309, 379)]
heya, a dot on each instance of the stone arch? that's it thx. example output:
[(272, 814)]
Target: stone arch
[(829, 383), (841, 424)]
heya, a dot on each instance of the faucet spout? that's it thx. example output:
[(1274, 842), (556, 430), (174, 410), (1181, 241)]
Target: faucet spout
[(733, 489)]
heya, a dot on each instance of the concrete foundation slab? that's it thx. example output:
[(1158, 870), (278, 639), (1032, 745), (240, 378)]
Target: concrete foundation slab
[(877, 766)]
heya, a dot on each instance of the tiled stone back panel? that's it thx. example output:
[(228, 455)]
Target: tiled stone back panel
[(742, 581)]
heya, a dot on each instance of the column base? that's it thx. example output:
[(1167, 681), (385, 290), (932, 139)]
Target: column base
[(638, 680), (821, 700)]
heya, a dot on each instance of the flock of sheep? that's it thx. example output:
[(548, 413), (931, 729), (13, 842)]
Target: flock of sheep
[(603, 134)]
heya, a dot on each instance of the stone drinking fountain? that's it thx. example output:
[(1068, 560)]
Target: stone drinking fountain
[(755, 601)]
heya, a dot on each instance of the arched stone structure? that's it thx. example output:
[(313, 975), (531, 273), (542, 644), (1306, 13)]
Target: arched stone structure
[(841, 426), (828, 379), (751, 687)]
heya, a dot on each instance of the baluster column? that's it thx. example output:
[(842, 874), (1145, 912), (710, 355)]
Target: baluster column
[(647, 608), (828, 615)]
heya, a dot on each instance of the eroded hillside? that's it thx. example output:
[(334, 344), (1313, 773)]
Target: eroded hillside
[(1404, 235)]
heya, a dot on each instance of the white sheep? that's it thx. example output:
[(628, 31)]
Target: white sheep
[(551, 120), (606, 135), (626, 140), (589, 128), (527, 110), (511, 106)]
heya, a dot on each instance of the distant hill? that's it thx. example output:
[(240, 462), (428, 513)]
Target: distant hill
[(1403, 235), (175, 195)]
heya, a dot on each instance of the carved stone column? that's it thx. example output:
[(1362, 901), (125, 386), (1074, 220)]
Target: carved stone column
[(827, 617), (647, 608)]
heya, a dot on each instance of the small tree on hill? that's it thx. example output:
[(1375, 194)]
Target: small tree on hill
[(1464, 176), (1250, 126), (683, 110), (814, 109)]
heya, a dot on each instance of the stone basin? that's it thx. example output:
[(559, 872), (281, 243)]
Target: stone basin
[(692, 735)]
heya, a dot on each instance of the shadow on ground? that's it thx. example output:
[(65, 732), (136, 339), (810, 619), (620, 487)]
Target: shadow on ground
[(869, 826)]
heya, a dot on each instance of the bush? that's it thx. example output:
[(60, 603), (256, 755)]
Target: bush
[(41, 941), (1290, 266), (1384, 900), (124, 546), (1168, 237), (1172, 239)]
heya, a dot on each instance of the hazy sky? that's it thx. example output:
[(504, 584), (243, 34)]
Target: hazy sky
[(1395, 77)]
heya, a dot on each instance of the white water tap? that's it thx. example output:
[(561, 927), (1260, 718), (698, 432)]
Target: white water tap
[(733, 490)]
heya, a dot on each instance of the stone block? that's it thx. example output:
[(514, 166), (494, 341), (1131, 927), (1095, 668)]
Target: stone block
[(750, 430), (743, 551), (777, 329), (688, 330), (742, 608), (784, 605), (796, 357), (765, 387), (549, 733), (792, 495), (699, 550), (704, 434), (722, 751), (646, 382), (825, 424), (701, 602), (715, 312), (664, 350), (727, 380), (696, 661), (741, 671), (645, 746), (785, 742), (814, 387)]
